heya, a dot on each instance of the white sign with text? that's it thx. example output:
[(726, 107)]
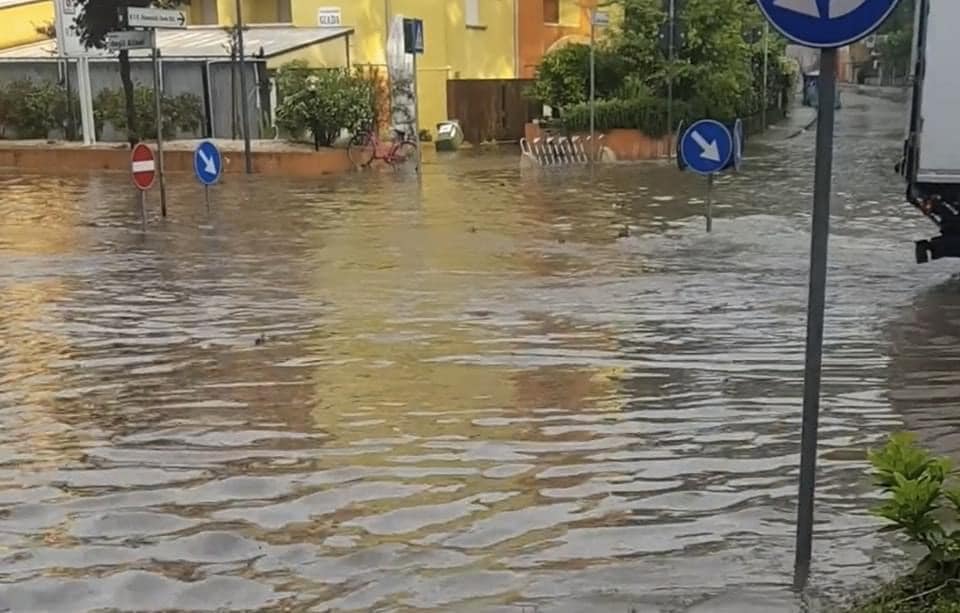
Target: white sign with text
[(329, 17)]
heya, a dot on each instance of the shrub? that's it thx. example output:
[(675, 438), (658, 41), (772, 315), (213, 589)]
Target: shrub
[(647, 114), (324, 102), (915, 483), (183, 112), (33, 109), (563, 77)]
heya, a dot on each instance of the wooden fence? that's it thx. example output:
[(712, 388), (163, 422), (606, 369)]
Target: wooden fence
[(490, 109)]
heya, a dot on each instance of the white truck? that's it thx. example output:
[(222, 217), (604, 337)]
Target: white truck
[(931, 156)]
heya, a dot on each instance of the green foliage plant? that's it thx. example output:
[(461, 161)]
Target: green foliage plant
[(919, 503), (323, 102)]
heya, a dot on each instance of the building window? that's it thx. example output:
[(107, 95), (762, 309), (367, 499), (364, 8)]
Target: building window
[(471, 13), (207, 12), (551, 11)]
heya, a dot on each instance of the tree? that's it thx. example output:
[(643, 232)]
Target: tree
[(97, 18), (896, 38)]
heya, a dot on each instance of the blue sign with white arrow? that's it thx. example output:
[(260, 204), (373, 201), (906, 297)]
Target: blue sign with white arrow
[(827, 23), (207, 163), (706, 147)]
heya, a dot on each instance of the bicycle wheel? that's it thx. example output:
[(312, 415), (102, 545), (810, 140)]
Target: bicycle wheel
[(361, 150), (404, 155)]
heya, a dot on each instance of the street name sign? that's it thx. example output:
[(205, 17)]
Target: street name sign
[(827, 24), (155, 18), (130, 39), (706, 147)]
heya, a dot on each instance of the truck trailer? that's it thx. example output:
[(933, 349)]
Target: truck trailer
[(931, 155)]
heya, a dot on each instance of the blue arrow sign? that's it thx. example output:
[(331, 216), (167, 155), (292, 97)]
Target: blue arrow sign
[(207, 163), (827, 23), (706, 147)]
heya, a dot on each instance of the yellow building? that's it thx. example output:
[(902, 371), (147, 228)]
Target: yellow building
[(20, 21), (464, 39)]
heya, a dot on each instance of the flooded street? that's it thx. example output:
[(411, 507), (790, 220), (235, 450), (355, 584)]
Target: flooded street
[(351, 394)]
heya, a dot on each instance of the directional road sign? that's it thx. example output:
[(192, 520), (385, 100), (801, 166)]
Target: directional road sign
[(738, 137), (155, 18), (706, 147), (143, 167), (827, 23), (413, 36), (207, 163), (131, 39)]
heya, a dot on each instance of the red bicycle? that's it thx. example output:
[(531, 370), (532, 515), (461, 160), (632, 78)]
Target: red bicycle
[(366, 146)]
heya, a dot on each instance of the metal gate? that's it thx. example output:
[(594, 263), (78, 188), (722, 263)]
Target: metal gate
[(490, 109)]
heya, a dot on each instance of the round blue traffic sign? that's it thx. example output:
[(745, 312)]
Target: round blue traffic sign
[(207, 163), (706, 147), (827, 23)]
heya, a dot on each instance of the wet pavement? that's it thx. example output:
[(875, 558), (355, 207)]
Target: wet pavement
[(352, 394)]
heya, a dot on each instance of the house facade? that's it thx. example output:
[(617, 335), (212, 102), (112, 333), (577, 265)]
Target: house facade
[(464, 39)]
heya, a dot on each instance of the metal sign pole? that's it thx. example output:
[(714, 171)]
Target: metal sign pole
[(416, 115), (244, 105), (766, 69), (709, 203), (142, 198), (206, 196), (815, 315), (157, 95), (593, 85), (671, 43)]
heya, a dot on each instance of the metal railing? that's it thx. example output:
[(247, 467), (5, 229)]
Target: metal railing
[(561, 150)]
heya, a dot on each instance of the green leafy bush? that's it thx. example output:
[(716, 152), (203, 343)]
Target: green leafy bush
[(717, 65), (33, 109), (180, 113), (323, 102), (914, 480), (920, 505), (647, 114), (563, 77)]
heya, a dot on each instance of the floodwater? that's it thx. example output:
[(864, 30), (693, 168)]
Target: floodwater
[(351, 394)]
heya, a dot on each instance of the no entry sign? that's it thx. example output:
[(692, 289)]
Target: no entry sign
[(143, 166)]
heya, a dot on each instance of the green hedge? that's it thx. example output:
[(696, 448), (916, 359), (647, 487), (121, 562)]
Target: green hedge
[(33, 109), (182, 113), (647, 114)]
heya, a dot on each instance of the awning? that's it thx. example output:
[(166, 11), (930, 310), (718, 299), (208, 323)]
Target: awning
[(202, 42)]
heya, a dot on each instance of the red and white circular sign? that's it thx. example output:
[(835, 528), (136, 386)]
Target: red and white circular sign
[(143, 166)]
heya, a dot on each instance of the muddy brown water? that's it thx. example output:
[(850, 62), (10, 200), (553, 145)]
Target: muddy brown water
[(470, 396)]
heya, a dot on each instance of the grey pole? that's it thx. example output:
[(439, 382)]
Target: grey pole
[(593, 84), (766, 69), (671, 43), (815, 315), (244, 104), (709, 203), (416, 115), (157, 95)]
